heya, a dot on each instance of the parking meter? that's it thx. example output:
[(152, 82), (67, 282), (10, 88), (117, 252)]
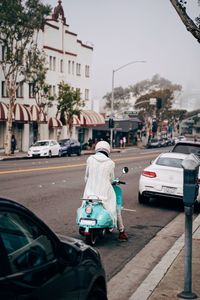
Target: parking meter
[(190, 190), (190, 179)]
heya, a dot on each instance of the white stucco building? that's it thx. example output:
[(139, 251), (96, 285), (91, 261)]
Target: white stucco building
[(69, 60)]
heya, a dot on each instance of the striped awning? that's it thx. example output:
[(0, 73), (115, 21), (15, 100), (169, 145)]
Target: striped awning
[(21, 113), (76, 121), (37, 114), (90, 118), (3, 111), (54, 123)]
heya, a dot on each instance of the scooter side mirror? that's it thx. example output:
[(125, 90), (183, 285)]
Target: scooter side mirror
[(125, 170)]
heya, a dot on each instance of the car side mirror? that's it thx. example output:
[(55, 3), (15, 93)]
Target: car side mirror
[(69, 254), (125, 170)]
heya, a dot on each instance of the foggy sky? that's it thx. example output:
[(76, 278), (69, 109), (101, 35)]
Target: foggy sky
[(122, 31)]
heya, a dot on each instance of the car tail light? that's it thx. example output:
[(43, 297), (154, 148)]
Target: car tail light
[(198, 180), (149, 174), (88, 210)]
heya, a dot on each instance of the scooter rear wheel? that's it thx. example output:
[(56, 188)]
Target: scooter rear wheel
[(91, 239)]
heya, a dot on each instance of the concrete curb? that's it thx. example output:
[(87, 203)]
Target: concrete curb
[(152, 280), (132, 282)]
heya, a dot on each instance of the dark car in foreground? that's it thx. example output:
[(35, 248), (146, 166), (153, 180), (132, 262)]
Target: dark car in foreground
[(187, 147), (35, 263), (69, 147)]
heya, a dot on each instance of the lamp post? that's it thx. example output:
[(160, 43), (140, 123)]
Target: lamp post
[(112, 96)]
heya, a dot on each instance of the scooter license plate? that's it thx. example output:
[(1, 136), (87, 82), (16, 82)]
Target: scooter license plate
[(87, 222)]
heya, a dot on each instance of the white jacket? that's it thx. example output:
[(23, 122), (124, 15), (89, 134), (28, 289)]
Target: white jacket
[(98, 177)]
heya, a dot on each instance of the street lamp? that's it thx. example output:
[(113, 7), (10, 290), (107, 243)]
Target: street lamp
[(112, 96)]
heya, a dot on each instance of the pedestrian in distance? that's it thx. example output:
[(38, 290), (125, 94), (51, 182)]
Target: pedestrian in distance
[(121, 143), (124, 142), (99, 176), (13, 144)]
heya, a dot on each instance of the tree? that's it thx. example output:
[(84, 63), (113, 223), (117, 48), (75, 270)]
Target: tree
[(121, 99), (191, 26), (20, 23), (69, 104), (155, 88), (36, 75)]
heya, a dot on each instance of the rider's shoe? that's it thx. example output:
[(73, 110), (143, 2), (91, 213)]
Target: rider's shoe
[(123, 237)]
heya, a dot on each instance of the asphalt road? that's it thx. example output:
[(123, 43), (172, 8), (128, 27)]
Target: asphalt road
[(52, 188)]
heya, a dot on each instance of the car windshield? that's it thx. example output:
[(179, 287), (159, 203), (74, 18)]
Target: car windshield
[(64, 142), (187, 149), (169, 162), (41, 143)]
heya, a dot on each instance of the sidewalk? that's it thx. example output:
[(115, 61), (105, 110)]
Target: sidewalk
[(166, 279)]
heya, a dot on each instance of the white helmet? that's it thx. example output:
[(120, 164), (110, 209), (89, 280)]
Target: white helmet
[(102, 146)]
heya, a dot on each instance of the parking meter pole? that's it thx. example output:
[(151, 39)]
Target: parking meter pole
[(187, 293), (190, 191)]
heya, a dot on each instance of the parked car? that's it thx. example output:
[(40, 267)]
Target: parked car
[(163, 178), (44, 148), (180, 138), (69, 146), (187, 147), (153, 143), (38, 264)]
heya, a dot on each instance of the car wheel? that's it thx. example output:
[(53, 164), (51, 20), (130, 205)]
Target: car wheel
[(97, 293), (50, 154), (91, 239), (79, 153), (102, 233), (143, 199), (69, 153)]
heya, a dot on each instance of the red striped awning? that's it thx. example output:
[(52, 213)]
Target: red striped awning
[(37, 114), (91, 118), (54, 123), (3, 111), (76, 121), (21, 113)]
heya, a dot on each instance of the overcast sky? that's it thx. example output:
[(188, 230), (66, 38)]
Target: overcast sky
[(122, 31)]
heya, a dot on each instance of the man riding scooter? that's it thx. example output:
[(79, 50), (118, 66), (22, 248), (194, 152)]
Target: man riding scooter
[(98, 177)]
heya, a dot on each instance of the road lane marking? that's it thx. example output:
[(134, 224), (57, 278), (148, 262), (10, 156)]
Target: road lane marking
[(71, 166)]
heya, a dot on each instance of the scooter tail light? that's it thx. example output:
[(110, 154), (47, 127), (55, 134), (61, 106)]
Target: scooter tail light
[(149, 174), (88, 210)]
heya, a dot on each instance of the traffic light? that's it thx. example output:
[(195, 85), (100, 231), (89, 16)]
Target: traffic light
[(111, 123), (158, 103)]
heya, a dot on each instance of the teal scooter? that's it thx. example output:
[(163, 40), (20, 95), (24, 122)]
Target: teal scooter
[(92, 217)]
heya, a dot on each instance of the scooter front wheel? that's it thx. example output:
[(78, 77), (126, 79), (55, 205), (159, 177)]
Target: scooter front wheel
[(91, 239)]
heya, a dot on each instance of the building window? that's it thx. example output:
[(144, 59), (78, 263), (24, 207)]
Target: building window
[(86, 94), (4, 92), (50, 63), (61, 66), (3, 52), (20, 90), (54, 63), (54, 91), (31, 90), (87, 71), (69, 66), (78, 69), (73, 68), (50, 90)]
